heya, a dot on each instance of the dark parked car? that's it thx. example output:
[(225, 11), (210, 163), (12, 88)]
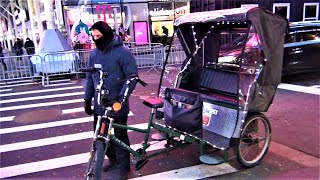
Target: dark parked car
[(302, 48)]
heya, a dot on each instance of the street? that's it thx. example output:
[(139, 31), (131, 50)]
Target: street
[(46, 134)]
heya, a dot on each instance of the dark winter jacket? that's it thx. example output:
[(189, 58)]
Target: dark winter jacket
[(120, 65)]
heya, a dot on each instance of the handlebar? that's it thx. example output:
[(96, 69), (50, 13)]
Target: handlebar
[(102, 93)]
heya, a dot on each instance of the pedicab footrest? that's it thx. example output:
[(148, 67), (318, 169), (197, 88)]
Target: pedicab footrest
[(153, 102)]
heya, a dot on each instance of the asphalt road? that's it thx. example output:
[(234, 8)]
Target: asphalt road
[(45, 134)]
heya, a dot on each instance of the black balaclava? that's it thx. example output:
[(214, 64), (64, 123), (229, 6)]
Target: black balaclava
[(107, 33)]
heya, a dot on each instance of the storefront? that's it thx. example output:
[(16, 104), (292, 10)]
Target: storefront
[(140, 20)]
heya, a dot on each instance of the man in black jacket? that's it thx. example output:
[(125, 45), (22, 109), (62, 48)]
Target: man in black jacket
[(120, 64), (29, 46)]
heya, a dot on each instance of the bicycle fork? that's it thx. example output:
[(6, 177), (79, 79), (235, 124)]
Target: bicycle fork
[(98, 135)]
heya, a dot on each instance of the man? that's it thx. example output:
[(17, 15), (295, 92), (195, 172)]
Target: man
[(29, 46), (18, 47), (165, 31), (120, 64)]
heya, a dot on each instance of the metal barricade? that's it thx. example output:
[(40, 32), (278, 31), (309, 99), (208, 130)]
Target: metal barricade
[(176, 56), (17, 67), (149, 55), (59, 63)]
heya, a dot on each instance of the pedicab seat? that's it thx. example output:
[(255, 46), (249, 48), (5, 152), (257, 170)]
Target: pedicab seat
[(153, 102), (218, 86)]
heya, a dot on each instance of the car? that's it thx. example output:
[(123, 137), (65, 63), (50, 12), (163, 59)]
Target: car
[(302, 48)]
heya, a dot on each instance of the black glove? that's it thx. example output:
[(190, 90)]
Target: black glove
[(87, 107)]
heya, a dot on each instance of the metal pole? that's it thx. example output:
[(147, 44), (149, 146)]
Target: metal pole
[(14, 21), (23, 18), (115, 20), (37, 13), (48, 8), (32, 20)]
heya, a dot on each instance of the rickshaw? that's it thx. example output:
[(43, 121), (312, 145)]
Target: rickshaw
[(229, 77)]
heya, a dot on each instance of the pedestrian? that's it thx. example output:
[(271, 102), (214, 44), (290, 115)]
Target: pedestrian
[(18, 47), (3, 64), (120, 65), (29, 46), (165, 31)]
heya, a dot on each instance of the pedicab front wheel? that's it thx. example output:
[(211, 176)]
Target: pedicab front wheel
[(96, 161), (254, 140)]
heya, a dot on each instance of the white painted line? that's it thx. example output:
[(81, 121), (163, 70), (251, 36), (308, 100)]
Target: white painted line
[(61, 162), (45, 125), (74, 110), (5, 90), (315, 86), (55, 140), (200, 171), (41, 91), (303, 89), (15, 82), (41, 97), (59, 80), (15, 85), (10, 108), (8, 118), (81, 109), (62, 84)]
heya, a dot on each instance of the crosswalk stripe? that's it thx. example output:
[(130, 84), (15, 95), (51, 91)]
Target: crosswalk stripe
[(41, 97), (27, 106), (59, 80), (55, 140), (61, 162), (61, 84), (8, 118), (15, 82), (5, 90), (81, 109), (303, 89), (193, 172), (41, 91), (15, 85), (45, 125)]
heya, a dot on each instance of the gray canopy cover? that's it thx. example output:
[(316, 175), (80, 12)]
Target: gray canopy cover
[(271, 29)]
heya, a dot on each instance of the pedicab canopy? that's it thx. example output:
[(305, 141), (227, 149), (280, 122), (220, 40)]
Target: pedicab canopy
[(201, 37)]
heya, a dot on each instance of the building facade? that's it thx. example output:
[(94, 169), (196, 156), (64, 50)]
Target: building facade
[(293, 10), (141, 20)]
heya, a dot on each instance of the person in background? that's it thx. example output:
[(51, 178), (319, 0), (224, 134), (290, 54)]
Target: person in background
[(165, 31), (120, 64), (3, 64), (18, 47), (29, 46)]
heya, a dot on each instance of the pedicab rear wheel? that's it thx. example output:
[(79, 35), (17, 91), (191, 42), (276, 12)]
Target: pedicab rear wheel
[(254, 140)]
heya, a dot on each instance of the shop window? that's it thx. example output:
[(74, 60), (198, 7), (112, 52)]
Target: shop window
[(282, 9), (310, 11)]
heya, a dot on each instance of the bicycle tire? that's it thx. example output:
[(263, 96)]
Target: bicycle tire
[(100, 153), (251, 137)]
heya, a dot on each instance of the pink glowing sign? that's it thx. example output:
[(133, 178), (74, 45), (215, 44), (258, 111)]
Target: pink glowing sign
[(141, 32)]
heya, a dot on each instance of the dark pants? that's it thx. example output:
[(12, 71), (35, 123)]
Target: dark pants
[(115, 152)]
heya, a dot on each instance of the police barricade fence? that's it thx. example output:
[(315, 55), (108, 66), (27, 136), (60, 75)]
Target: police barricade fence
[(58, 63), (17, 67), (176, 54), (148, 55), (45, 65)]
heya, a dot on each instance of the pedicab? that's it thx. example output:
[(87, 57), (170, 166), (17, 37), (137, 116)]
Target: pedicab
[(228, 79)]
